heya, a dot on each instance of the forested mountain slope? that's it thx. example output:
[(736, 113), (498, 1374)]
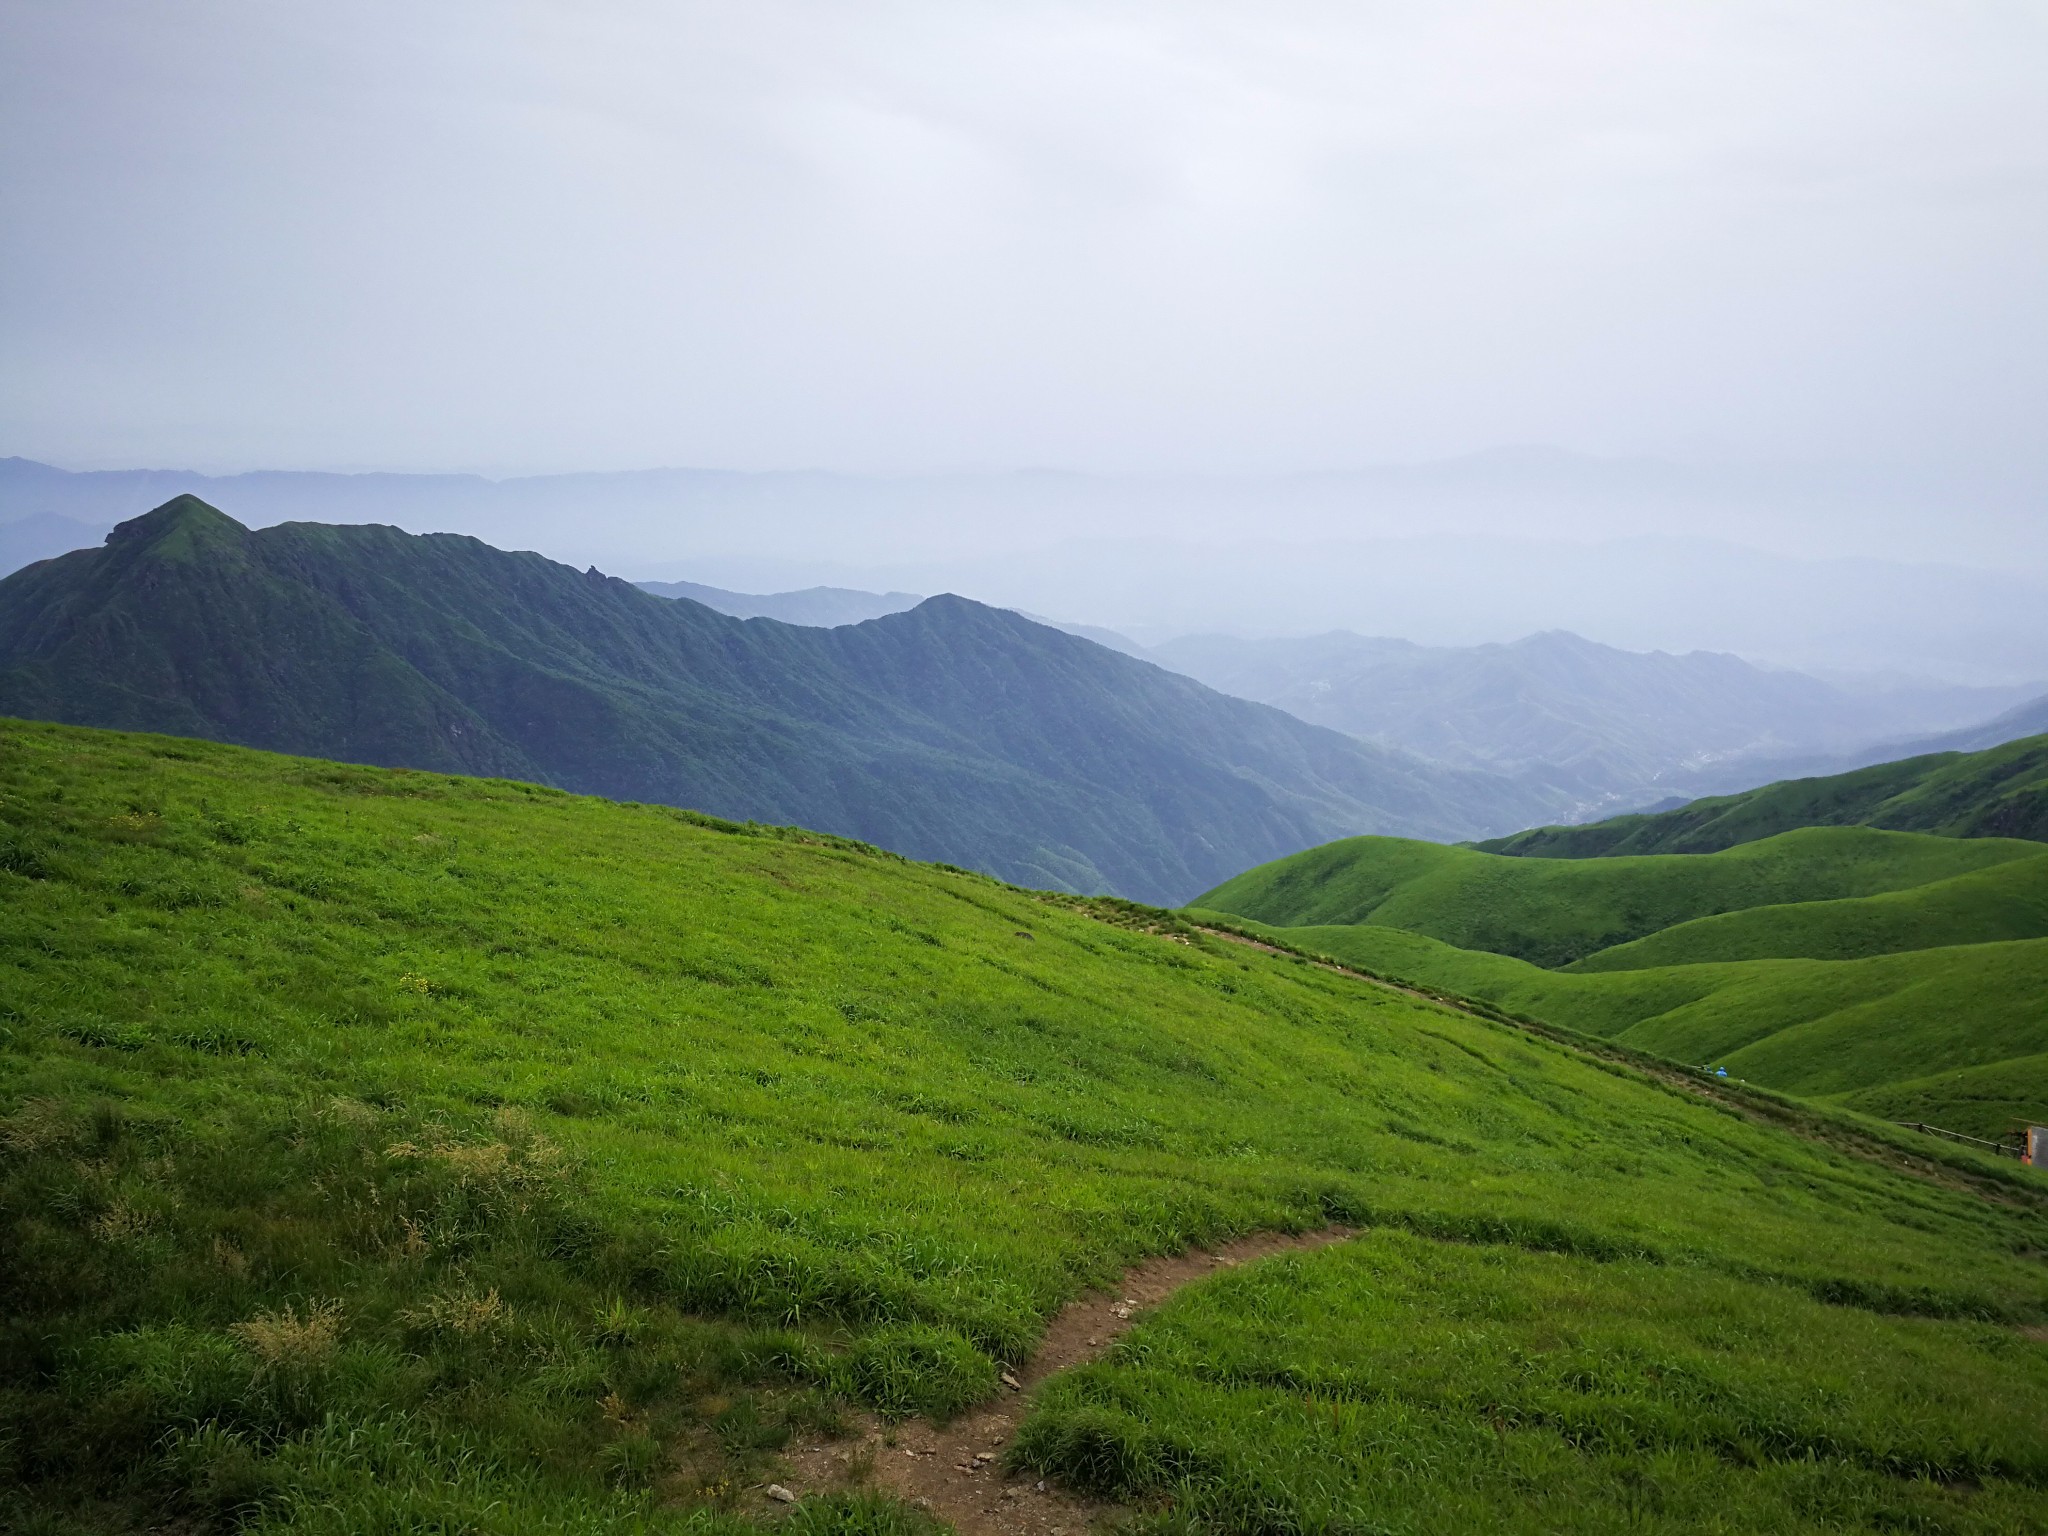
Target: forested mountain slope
[(952, 731), (384, 1150)]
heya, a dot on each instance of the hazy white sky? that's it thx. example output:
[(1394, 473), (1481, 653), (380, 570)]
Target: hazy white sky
[(904, 236)]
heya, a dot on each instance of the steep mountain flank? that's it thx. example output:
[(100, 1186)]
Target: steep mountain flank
[(952, 731)]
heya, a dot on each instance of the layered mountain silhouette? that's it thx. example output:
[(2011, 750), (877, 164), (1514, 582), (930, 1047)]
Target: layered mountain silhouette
[(1627, 726), (952, 731), (820, 607)]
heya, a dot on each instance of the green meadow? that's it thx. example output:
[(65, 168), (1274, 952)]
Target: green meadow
[(1960, 1025), (1393, 1383), (1986, 906), (388, 1151), (1901, 974), (1552, 912)]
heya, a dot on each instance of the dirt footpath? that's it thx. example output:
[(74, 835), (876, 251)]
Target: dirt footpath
[(955, 1472)]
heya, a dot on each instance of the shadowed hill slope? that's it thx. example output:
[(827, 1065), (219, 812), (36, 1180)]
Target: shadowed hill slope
[(952, 731)]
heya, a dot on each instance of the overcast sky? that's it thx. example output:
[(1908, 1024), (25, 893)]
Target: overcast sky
[(1132, 237)]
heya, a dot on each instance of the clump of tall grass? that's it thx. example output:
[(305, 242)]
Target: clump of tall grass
[(288, 1339), (467, 1313)]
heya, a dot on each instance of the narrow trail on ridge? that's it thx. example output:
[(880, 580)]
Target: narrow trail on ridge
[(955, 1471)]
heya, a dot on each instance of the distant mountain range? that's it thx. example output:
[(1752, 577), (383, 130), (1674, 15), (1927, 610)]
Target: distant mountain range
[(818, 607), (1627, 727), (1438, 553), (952, 731), (1602, 729), (829, 607), (1612, 728)]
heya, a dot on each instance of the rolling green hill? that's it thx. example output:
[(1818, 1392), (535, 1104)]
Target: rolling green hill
[(953, 731), (2000, 792), (1903, 974), (1958, 1031), (384, 1150), (2006, 901), (1553, 912)]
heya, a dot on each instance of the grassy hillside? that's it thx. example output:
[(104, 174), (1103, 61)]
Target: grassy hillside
[(2006, 901), (384, 1150), (953, 731), (1472, 1389), (1555, 911), (1951, 1036), (1999, 792), (1972, 1099)]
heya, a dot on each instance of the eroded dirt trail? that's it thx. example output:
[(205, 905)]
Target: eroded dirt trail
[(956, 1473)]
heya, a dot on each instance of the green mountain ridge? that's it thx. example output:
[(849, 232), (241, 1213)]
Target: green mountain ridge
[(952, 731), (1554, 912), (1998, 792), (387, 1150), (1899, 973), (2006, 901)]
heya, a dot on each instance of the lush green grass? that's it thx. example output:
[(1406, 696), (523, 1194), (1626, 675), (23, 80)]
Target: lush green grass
[(1397, 1384), (1555, 911), (384, 1150), (2000, 792), (1827, 961), (1859, 1031), (2007, 901), (1979, 1100)]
